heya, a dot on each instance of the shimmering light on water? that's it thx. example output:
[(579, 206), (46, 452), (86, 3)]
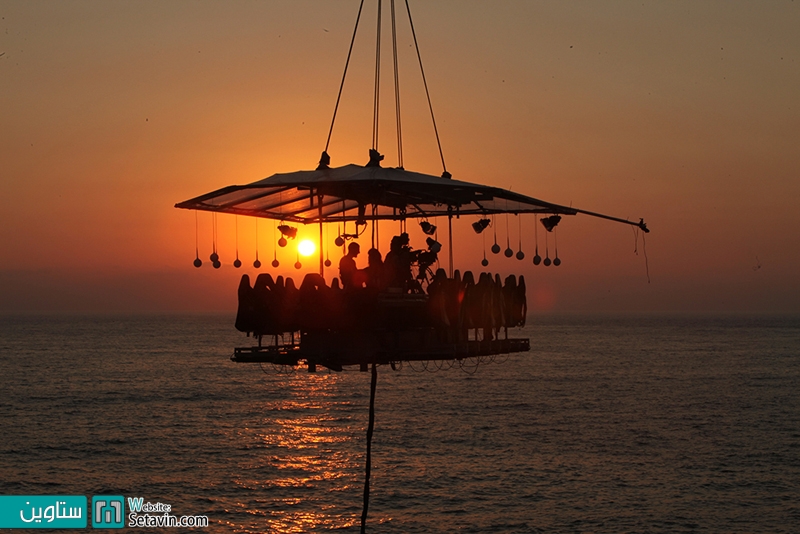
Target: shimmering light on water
[(609, 424)]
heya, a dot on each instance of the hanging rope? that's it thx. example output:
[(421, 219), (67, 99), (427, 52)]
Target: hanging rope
[(427, 93), (397, 92), (377, 96), (374, 222), (275, 262), (237, 262), (344, 75), (370, 429), (644, 250), (257, 262)]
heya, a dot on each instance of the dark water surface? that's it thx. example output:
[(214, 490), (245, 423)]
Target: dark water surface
[(609, 424)]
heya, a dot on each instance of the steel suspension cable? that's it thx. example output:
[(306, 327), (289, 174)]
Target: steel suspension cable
[(344, 75), (425, 83), (377, 96), (397, 92)]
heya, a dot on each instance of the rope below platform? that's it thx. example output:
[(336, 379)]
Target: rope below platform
[(370, 429)]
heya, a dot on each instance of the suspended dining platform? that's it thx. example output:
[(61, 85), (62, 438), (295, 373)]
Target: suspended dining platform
[(453, 319)]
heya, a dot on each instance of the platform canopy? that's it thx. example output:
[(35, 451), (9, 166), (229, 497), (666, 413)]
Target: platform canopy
[(355, 192)]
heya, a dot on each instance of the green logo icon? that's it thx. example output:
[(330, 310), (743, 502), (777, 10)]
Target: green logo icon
[(108, 511)]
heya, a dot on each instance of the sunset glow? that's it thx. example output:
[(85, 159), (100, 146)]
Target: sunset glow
[(686, 117), (306, 247)]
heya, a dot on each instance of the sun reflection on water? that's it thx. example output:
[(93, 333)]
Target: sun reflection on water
[(304, 460)]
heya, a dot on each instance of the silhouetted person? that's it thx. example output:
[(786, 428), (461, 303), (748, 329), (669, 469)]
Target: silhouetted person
[(398, 262), (348, 272), (374, 275)]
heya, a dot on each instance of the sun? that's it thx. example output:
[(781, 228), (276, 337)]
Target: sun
[(306, 247)]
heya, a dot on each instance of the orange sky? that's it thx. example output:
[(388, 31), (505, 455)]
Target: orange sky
[(683, 113)]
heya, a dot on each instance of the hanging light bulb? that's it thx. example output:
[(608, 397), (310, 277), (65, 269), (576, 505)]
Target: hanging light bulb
[(257, 264), (546, 249), (339, 241), (214, 257), (556, 260), (508, 251), (327, 257), (297, 264), (520, 255), (327, 249), (536, 258), (217, 264), (237, 263), (495, 247), (197, 261), (484, 261), (282, 242), (275, 263)]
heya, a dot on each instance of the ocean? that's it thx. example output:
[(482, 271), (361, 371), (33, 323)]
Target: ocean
[(653, 423)]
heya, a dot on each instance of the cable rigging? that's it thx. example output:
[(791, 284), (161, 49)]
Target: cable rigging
[(375, 156)]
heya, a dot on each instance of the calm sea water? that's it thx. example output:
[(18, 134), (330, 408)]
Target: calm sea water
[(609, 424)]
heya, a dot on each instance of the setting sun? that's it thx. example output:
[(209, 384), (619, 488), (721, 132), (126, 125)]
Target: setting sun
[(306, 247)]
